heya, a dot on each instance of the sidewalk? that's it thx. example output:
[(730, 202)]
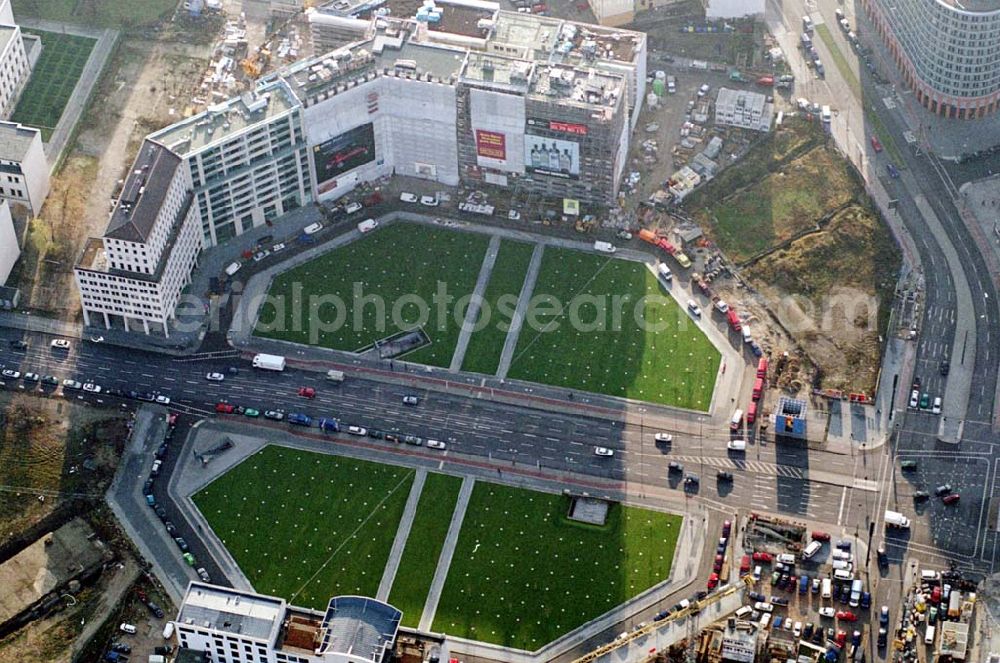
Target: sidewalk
[(472, 312), (447, 552), (402, 535)]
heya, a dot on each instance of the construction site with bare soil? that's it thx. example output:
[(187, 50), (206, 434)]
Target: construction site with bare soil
[(808, 254)]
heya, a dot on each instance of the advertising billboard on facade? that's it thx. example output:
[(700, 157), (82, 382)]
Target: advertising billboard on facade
[(491, 145), (551, 156), (342, 153), (562, 127)]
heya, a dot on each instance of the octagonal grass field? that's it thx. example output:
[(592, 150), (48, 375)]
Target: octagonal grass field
[(399, 265), (663, 357), (524, 574), (308, 526)]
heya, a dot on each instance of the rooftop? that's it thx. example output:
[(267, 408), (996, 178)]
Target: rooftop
[(360, 627), (7, 33), (573, 42), (226, 118), (590, 88), (461, 17), (496, 71), (15, 139), (974, 6), (143, 194), (231, 611)]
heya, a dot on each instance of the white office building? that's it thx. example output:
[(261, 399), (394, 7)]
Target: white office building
[(743, 109), (14, 66), (10, 249), (232, 626), (24, 171), (136, 271)]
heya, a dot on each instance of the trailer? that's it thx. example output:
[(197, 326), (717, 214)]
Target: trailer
[(896, 519), (269, 362)]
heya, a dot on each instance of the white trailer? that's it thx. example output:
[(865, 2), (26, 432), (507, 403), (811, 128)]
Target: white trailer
[(269, 362), (896, 519)]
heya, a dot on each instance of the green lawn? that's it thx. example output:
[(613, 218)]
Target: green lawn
[(52, 80), (667, 360), (423, 546), (850, 76), (308, 526), (402, 265), (103, 13), (523, 574), (486, 344)]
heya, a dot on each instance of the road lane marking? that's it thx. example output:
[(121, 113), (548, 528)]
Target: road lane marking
[(840, 514)]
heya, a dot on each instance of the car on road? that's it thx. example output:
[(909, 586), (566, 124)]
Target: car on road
[(713, 581), (251, 412), (436, 444), (820, 536), (60, 344), (357, 430), (307, 392), (181, 543), (876, 144), (19, 345), (723, 475), (663, 437), (215, 377), (376, 434), (31, 377), (675, 467), (951, 499), (155, 471), (691, 480), (936, 407), (163, 399), (410, 399), (694, 308), (274, 415), (846, 616), (50, 380), (92, 388), (920, 496), (944, 367), (127, 628), (11, 373), (391, 437), (429, 201), (704, 89), (353, 207), (908, 465), (71, 384), (189, 559), (827, 611), (277, 247), (408, 197), (203, 574), (883, 615), (260, 255), (413, 439), (225, 408), (603, 451), (942, 490), (146, 396), (893, 171), (883, 636)]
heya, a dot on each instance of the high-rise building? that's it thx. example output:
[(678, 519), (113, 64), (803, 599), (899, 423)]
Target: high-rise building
[(948, 51)]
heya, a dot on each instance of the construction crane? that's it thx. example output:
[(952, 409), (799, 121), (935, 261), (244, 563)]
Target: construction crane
[(257, 61)]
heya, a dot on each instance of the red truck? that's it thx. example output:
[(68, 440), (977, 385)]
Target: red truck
[(758, 388), (733, 319), (762, 367)]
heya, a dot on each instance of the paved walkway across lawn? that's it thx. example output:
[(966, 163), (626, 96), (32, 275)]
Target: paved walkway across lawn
[(447, 552), (472, 312), (517, 322), (402, 534)]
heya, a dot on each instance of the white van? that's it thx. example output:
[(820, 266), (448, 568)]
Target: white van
[(736, 445), (367, 225), (841, 564), (765, 619), (827, 590), (826, 114), (811, 550), (737, 420), (747, 337), (605, 247), (929, 635), (756, 573), (843, 574), (927, 575), (664, 272), (855, 597), (744, 611)]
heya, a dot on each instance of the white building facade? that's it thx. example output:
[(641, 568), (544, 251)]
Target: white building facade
[(24, 170), (138, 269), (10, 249), (14, 66)]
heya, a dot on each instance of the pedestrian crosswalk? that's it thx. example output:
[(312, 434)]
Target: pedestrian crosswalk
[(756, 466)]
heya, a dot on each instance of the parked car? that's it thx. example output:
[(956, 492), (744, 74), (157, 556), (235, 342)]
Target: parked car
[(675, 467), (163, 399), (429, 201), (410, 399), (942, 490), (827, 611), (408, 197), (436, 444), (876, 145), (723, 475), (225, 408), (663, 437), (846, 616), (60, 344), (215, 377), (71, 384), (951, 499), (761, 556), (603, 451), (357, 430)]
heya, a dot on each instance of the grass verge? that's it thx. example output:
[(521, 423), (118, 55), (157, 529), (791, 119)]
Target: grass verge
[(500, 300), (308, 526), (423, 547), (604, 325), (850, 76), (101, 13), (523, 574), (52, 81), (384, 283)]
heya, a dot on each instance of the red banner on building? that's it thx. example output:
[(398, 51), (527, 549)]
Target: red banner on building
[(491, 145), (568, 127)]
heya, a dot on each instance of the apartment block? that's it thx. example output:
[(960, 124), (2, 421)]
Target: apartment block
[(24, 171)]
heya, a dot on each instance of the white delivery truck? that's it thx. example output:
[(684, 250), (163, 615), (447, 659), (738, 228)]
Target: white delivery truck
[(855, 597), (605, 247), (896, 519), (335, 376), (269, 362)]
